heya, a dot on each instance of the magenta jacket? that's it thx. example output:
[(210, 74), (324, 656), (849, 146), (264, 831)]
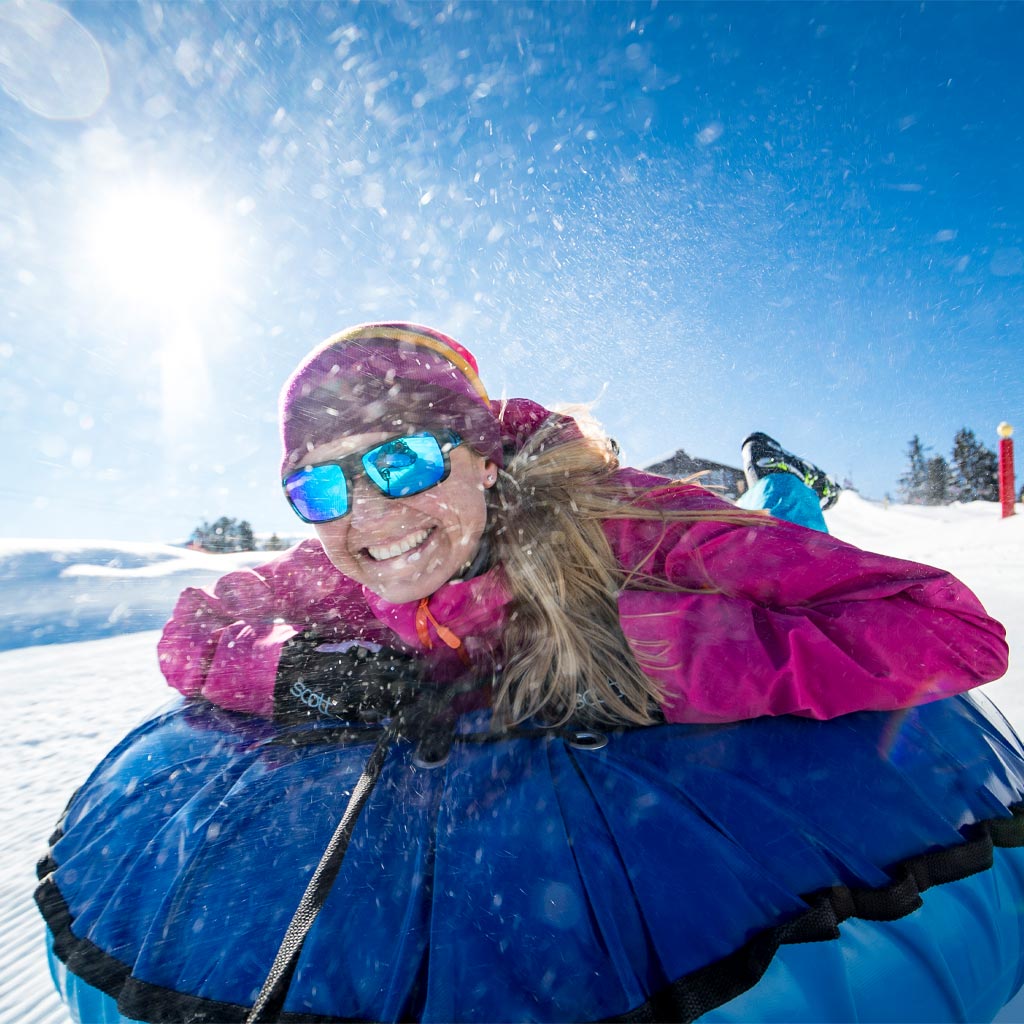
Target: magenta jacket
[(798, 623)]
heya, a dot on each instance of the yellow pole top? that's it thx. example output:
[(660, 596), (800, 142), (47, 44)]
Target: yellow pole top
[(1004, 429)]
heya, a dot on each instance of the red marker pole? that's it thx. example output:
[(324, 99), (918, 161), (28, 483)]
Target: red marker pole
[(1006, 494)]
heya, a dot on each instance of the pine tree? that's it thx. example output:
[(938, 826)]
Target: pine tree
[(244, 537), (913, 483), (936, 489), (198, 537), (220, 535), (975, 469), (225, 534)]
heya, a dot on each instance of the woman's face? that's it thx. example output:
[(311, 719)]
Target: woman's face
[(406, 548)]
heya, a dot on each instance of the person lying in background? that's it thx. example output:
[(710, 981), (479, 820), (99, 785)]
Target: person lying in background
[(784, 484)]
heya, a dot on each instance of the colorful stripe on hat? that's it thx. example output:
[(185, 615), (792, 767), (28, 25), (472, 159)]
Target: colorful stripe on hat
[(425, 337)]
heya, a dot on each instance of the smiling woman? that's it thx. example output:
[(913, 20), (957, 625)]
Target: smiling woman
[(501, 702), (404, 550)]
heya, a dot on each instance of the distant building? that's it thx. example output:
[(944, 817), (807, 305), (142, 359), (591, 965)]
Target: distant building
[(728, 481)]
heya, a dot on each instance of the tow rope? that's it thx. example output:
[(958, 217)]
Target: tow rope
[(270, 1001)]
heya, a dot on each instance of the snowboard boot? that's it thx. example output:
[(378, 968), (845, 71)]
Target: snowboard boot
[(763, 455)]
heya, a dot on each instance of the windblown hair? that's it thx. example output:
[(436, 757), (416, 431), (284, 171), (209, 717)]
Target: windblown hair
[(565, 652)]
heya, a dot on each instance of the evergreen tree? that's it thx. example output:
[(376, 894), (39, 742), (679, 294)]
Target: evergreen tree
[(225, 534), (197, 538), (936, 488), (274, 543), (220, 537), (913, 484), (244, 537), (975, 469)]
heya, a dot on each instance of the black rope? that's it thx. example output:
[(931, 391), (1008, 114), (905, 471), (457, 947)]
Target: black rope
[(270, 1001), (428, 720)]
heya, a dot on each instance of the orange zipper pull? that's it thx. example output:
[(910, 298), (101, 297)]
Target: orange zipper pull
[(446, 635), (421, 625)]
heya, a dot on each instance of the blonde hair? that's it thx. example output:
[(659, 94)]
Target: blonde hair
[(565, 652)]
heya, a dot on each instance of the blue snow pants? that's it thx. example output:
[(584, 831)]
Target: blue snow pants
[(787, 497)]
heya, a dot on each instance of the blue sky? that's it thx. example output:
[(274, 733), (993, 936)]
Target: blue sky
[(706, 218)]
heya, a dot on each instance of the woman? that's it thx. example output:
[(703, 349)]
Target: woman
[(489, 592), (494, 539)]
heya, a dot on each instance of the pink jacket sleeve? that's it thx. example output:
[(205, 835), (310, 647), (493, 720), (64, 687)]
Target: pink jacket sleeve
[(224, 643), (792, 621)]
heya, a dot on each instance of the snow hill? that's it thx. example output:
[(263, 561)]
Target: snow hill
[(78, 670), (67, 591), (972, 542)]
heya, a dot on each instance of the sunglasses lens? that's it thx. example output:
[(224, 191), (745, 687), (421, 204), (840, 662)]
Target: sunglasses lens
[(318, 493), (405, 465)]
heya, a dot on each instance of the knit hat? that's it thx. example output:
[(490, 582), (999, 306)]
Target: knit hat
[(390, 377)]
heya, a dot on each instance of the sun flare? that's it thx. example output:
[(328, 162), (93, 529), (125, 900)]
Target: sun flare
[(157, 247)]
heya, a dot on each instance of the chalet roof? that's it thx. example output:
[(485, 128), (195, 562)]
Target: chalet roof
[(727, 480)]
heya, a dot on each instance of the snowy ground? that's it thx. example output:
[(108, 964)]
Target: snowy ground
[(63, 591), (65, 704)]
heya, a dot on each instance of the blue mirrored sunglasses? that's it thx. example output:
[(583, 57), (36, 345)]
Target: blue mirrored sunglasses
[(398, 467)]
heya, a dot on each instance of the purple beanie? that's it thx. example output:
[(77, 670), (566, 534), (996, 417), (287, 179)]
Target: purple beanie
[(393, 377)]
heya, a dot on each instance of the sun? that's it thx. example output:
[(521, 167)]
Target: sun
[(157, 265), (155, 247)]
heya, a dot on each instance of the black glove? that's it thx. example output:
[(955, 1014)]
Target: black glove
[(353, 682)]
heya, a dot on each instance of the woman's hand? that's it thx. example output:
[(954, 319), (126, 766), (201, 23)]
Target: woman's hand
[(354, 682)]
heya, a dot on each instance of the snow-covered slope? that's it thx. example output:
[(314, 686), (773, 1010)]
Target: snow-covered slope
[(65, 591), (971, 541), (65, 704)]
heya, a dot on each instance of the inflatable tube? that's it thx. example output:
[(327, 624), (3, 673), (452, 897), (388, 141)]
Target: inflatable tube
[(867, 868)]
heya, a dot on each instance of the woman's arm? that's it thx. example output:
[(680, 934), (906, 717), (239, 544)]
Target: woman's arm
[(225, 642), (796, 622)]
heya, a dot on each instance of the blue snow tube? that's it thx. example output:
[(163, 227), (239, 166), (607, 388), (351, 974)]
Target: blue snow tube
[(866, 868)]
